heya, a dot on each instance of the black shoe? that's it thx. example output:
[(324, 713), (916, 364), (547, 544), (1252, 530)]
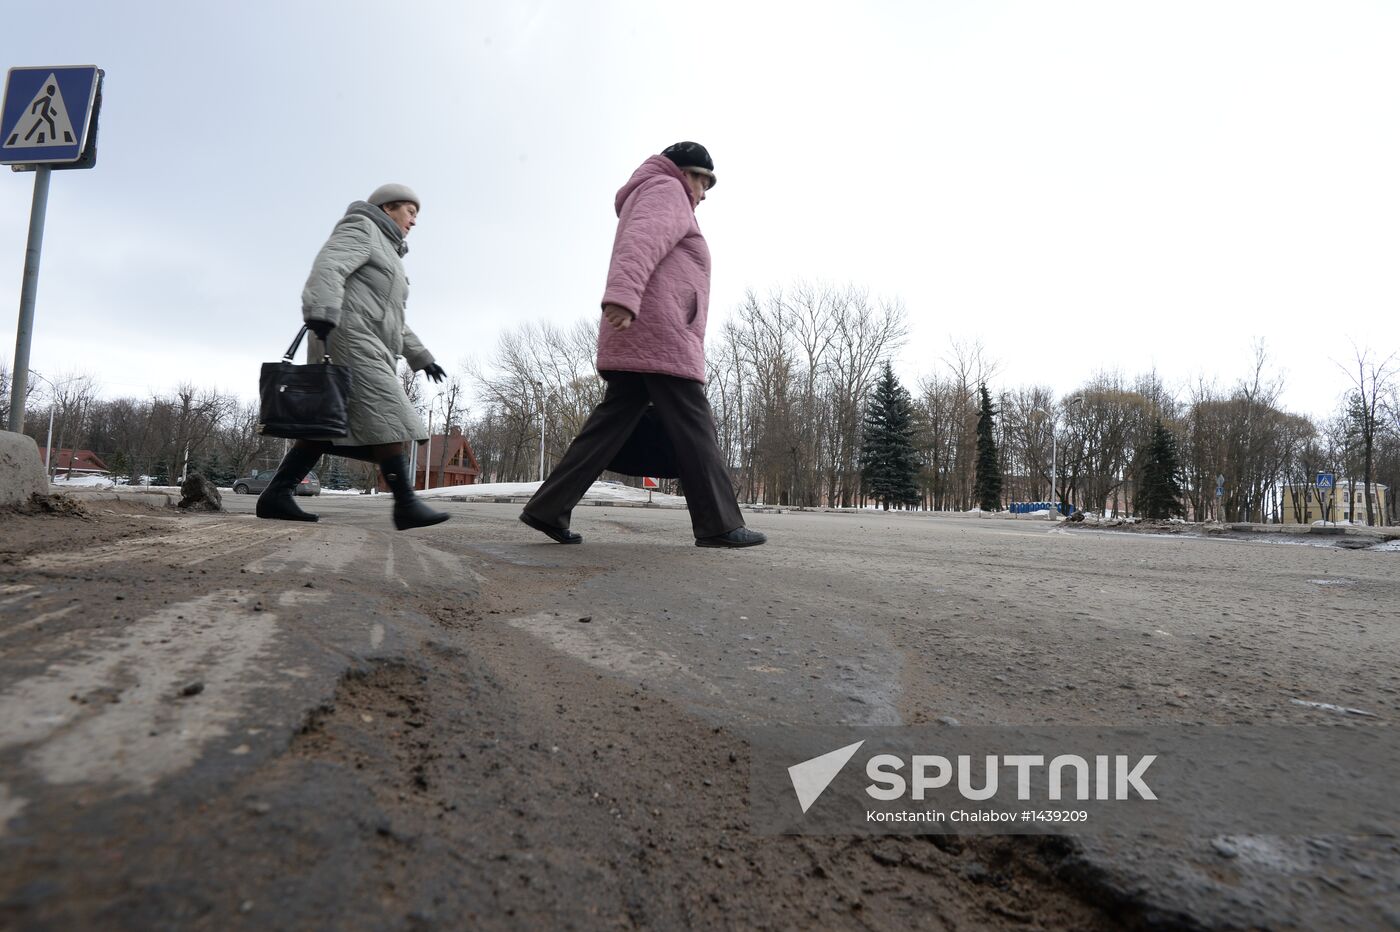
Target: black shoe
[(277, 500), (739, 537), (561, 534), (409, 510)]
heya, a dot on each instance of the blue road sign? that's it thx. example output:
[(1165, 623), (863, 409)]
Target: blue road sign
[(1325, 480), (46, 114)]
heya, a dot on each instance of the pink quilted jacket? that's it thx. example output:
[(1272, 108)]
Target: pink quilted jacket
[(660, 271)]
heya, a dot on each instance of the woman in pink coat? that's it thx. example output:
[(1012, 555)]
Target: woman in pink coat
[(651, 351)]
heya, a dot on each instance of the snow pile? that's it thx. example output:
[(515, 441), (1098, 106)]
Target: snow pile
[(84, 482), (598, 492)]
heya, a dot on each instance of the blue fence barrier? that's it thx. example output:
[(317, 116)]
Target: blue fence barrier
[(1025, 508)]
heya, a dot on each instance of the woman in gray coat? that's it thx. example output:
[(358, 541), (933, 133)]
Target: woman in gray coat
[(354, 304)]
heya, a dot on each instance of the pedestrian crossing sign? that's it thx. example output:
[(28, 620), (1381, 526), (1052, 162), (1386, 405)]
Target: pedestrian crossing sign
[(46, 114)]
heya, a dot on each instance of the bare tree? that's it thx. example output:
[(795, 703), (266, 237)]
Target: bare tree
[(238, 441), (186, 420), (72, 396), (1372, 382), (788, 379), (453, 413), (539, 377)]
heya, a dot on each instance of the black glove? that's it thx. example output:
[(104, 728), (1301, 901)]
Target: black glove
[(435, 372), (321, 328)]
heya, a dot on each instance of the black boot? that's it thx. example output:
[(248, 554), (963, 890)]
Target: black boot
[(409, 510), (277, 500)]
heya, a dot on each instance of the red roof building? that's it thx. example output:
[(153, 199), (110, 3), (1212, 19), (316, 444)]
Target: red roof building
[(453, 462), (80, 462)]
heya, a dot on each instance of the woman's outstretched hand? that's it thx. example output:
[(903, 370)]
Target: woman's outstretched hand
[(435, 372)]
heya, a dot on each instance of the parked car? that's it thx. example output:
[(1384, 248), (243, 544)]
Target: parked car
[(258, 479)]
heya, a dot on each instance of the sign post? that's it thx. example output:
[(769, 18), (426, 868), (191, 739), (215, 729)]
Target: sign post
[(1326, 482), (650, 484), (1220, 498), (48, 120)]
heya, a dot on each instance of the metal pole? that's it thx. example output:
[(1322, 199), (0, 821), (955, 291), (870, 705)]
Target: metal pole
[(48, 445), (542, 418), (29, 289), (1054, 502), (428, 454)]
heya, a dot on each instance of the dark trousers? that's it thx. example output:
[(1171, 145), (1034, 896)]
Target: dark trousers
[(684, 412)]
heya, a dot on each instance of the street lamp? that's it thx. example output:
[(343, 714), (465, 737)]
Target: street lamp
[(539, 389), (48, 445), (428, 452), (1053, 444), (1054, 441)]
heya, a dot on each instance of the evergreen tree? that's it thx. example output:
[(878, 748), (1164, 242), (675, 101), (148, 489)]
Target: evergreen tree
[(987, 485), (1159, 493), (889, 464), (334, 475)]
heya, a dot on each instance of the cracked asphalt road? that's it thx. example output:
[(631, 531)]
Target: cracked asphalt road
[(418, 731)]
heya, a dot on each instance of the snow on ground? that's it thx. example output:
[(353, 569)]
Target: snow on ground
[(84, 482), (598, 492)]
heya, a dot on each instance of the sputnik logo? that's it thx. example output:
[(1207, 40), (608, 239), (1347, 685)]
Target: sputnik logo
[(811, 777)]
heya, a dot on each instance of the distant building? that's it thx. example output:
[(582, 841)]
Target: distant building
[(1302, 506), (461, 467), (80, 462)]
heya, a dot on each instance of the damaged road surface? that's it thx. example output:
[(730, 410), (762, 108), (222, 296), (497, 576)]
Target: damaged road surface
[(216, 722)]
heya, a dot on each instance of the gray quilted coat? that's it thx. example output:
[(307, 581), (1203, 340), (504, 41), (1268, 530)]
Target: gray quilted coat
[(358, 284)]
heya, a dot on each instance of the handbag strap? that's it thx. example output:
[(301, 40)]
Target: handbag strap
[(292, 350)]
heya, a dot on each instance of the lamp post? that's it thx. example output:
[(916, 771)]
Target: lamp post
[(1071, 400), (428, 452), (539, 389), (48, 444), (1054, 442), (1053, 445)]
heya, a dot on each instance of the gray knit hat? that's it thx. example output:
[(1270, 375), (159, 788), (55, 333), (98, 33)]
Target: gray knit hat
[(389, 193)]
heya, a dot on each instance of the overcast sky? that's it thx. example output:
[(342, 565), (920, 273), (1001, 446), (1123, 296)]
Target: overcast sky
[(1142, 184)]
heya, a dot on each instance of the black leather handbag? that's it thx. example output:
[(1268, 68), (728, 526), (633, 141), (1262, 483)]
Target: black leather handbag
[(304, 402)]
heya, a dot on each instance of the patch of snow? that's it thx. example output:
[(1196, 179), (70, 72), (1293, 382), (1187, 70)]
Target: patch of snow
[(598, 492), (1329, 707), (84, 482)]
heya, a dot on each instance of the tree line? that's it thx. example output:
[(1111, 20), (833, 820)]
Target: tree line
[(791, 376)]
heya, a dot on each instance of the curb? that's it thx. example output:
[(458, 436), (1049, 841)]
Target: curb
[(156, 500)]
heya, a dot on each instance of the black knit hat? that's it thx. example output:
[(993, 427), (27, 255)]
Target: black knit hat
[(693, 156)]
